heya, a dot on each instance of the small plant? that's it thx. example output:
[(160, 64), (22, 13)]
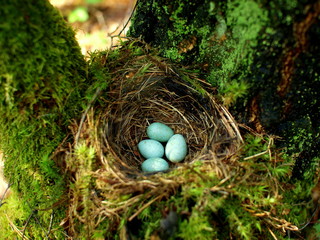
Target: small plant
[(233, 90), (79, 14)]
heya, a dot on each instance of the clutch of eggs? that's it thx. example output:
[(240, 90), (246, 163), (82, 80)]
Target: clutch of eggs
[(175, 149)]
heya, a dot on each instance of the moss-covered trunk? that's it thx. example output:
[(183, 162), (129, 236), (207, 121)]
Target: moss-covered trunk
[(261, 55), (42, 73)]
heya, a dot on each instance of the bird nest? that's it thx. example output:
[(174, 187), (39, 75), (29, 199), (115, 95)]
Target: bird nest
[(143, 89), (187, 107)]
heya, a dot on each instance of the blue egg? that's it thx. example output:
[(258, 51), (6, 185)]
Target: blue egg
[(159, 131), (151, 149), (176, 148), (154, 165)]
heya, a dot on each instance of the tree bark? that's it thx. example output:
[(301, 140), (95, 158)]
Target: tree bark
[(261, 56)]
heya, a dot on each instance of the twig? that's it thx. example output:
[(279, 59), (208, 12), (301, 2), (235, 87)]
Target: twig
[(33, 214), (26, 225), (124, 27), (309, 221), (270, 144), (51, 222), (4, 194), (144, 207), (14, 228), (53, 205), (37, 220), (272, 234), (256, 155)]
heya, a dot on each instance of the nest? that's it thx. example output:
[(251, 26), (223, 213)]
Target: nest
[(158, 96), (105, 164), (144, 89)]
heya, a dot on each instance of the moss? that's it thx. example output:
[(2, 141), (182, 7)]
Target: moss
[(183, 21), (241, 207), (288, 108), (231, 56), (11, 210), (42, 75), (223, 36), (13, 219), (197, 227)]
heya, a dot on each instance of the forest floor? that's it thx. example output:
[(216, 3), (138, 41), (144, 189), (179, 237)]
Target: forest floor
[(103, 20)]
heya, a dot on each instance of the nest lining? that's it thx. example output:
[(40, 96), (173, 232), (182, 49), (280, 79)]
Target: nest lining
[(137, 102)]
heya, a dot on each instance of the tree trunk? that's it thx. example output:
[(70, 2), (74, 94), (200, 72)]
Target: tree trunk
[(42, 74), (261, 56)]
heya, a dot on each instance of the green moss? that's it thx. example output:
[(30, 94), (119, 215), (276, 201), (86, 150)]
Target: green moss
[(197, 227), (13, 217), (150, 222), (292, 114), (207, 32), (183, 24), (230, 58), (42, 75), (11, 210), (241, 221)]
